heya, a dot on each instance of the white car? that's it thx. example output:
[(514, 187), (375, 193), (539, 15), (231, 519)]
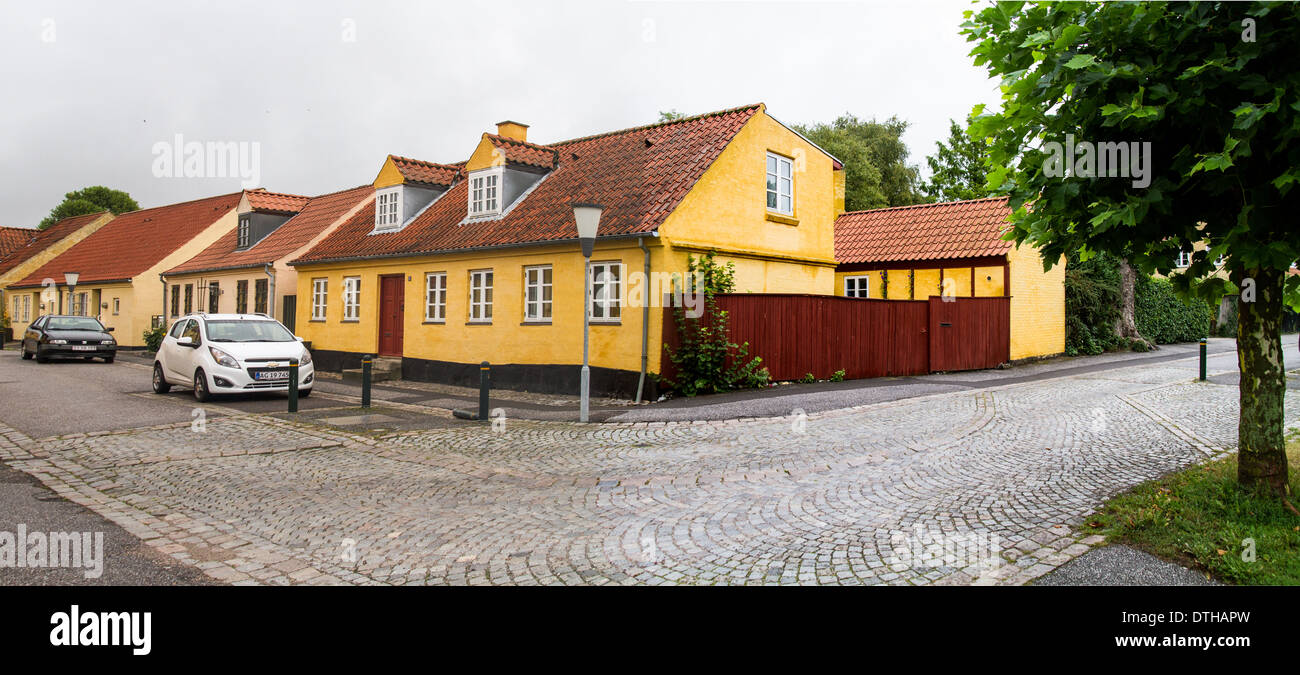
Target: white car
[(230, 354)]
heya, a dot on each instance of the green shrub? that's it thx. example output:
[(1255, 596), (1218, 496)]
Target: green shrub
[(838, 376), (1164, 318), (808, 378), (1091, 305), (153, 338)]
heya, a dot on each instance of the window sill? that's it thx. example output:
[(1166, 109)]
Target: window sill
[(604, 322), (435, 322), (316, 321), (478, 323), (782, 218), (350, 321), (535, 323)]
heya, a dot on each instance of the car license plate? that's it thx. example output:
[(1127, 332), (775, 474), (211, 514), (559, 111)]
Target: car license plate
[(83, 348), (272, 375)]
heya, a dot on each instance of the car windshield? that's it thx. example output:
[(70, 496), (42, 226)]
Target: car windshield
[(248, 331), (74, 323)]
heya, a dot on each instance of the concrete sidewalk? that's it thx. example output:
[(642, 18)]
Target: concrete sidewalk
[(781, 400)]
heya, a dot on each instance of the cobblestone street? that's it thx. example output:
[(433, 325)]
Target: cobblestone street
[(824, 498)]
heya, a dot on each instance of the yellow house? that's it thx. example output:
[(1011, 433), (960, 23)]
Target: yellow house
[(247, 269), (118, 267), (22, 308), (953, 248), (479, 260)]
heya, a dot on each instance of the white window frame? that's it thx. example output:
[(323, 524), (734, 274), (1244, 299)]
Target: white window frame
[(1184, 259), (607, 309), (117, 306), (541, 278), (243, 232), (485, 192), (861, 286), (18, 304), (388, 209), (320, 287), (480, 307), (773, 176), (435, 297), (351, 298), (27, 308)]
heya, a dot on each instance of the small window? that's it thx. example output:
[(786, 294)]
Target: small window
[(1184, 259), (243, 236), (857, 286), (388, 209), (606, 291), (485, 193), (319, 298), (189, 298), (117, 306), (480, 296), (241, 296), (27, 308), (351, 298), (259, 296), (435, 296), (176, 301), (17, 306), (214, 297), (780, 184), (537, 293)]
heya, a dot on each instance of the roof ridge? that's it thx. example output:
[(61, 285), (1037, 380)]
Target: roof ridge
[(656, 125), (926, 205), (278, 194), (188, 201), (424, 161), (516, 141)]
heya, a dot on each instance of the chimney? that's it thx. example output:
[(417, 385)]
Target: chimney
[(513, 130)]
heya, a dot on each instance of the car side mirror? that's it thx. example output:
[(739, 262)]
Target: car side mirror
[(297, 338), (108, 329), (187, 341)]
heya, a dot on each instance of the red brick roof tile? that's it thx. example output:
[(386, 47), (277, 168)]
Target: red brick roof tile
[(133, 242), (522, 152), (639, 184), (14, 238), (275, 202), (964, 229), (420, 171), (46, 238), (319, 213)]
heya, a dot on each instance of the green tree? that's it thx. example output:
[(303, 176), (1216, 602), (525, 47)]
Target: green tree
[(90, 200), (1215, 89), (875, 159), (958, 170), (670, 115)]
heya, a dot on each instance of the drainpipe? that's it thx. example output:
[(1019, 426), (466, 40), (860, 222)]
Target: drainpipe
[(163, 279), (645, 319), (270, 290)]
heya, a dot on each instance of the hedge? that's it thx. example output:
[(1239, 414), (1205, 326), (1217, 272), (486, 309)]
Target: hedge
[(1163, 318)]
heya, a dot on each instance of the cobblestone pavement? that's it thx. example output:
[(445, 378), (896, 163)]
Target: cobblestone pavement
[(854, 496)]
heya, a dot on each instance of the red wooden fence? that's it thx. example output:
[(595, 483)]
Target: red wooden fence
[(820, 334)]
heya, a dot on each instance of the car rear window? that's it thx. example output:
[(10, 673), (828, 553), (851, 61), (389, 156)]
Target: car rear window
[(248, 331)]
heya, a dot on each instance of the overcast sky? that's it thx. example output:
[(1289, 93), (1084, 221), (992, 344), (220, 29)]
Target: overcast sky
[(328, 89)]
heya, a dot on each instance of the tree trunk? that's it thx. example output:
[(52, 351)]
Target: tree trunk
[(1126, 324), (1261, 451)]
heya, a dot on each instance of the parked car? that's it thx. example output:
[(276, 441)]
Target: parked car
[(230, 354), (56, 335)]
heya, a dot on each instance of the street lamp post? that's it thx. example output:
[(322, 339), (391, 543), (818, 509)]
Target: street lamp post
[(587, 217), (71, 279)]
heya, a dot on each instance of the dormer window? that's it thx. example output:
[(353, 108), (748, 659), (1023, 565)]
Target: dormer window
[(388, 209), (243, 236), (485, 193)]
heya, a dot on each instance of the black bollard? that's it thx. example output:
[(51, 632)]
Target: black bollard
[(1203, 343), (484, 376), (366, 362), (293, 385)]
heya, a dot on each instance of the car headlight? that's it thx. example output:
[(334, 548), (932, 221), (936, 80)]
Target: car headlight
[(58, 341), (107, 342), (306, 358), (222, 358)]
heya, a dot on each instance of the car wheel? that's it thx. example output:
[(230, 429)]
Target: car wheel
[(27, 356), (109, 359), (160, 383), (41, 358), (304, 393), (201, 393), (88, 358)]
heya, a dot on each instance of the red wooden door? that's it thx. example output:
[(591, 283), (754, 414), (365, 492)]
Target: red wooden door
[(391, 306)]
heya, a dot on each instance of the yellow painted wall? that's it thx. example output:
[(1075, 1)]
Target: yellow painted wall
[(389, 175), (727, 211), (960, 280), (1037, 305), (874, 286), (485, 155), (926, 284), (988, 282), (506, 340)]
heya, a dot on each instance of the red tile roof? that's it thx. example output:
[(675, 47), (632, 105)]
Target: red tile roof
[(133, 242), (965, 229), (298, 231), (420, 171), (522, 152), (275, 202), (14, 238), (639, 183), (46, 238)]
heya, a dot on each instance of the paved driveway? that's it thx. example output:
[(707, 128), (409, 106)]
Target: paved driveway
[(972, 486)]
